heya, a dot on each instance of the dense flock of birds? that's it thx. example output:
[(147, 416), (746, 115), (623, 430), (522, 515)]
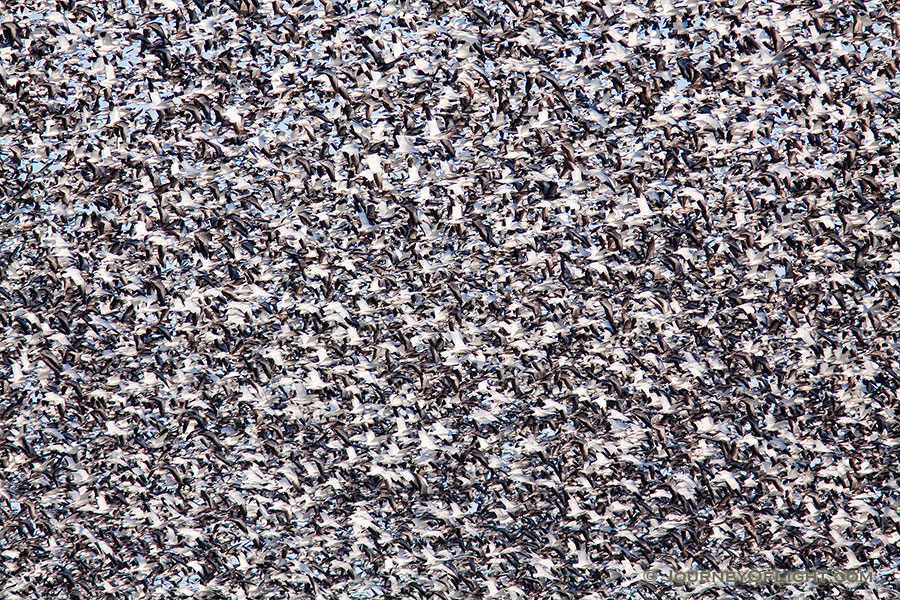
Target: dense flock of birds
[(435, 300)]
